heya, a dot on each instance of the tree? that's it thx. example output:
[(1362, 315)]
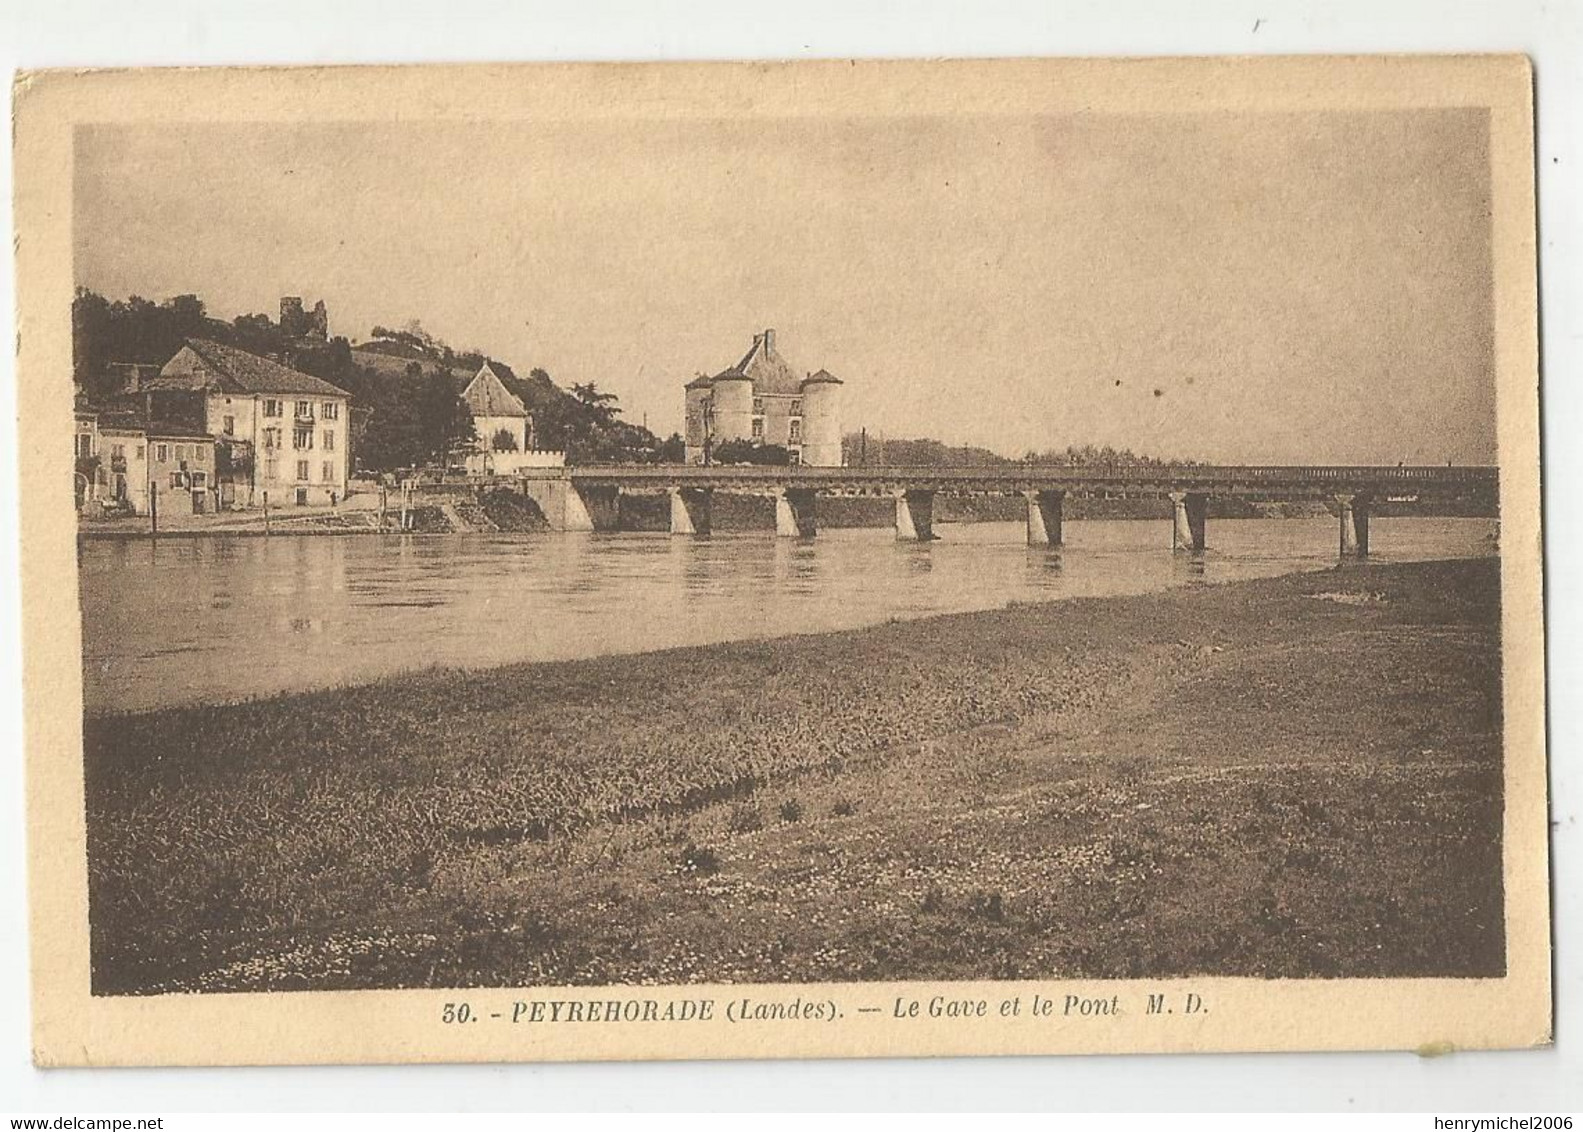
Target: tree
[(673, 450), (747, 452), (504, 440), (601, 406), (445, 420)]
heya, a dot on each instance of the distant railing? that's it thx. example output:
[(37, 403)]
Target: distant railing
[(1186, 474)]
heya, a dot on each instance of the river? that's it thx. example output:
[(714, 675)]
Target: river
[(205, 620)]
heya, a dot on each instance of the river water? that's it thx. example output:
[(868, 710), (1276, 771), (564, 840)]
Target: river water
[(204, 620)]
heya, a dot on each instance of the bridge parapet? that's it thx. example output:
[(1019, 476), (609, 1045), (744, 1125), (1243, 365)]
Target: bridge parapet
[(1251, 481)]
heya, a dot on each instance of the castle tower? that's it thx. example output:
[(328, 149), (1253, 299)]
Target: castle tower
[(699, 408), (732, 394), (293, 319), (821, 415)]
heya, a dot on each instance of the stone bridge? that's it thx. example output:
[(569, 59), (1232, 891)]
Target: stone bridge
[(588, 498)]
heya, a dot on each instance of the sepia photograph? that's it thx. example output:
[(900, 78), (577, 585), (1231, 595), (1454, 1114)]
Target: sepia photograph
[(766, 531)]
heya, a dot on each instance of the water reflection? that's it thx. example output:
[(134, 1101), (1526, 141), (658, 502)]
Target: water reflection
[(1044, 560), (1190, 565), (195, 620)]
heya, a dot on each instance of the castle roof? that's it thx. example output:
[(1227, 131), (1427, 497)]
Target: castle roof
[(765, 368), (237, 371), (822, 377)]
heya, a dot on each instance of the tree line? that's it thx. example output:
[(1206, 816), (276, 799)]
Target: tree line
[(860, 449)]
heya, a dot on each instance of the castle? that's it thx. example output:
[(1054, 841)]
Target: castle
[(761, 400), (295, 322)]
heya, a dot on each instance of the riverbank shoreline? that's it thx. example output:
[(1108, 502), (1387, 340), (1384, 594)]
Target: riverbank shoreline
[(1298, 776)]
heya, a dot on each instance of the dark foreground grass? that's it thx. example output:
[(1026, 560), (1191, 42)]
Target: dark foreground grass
[(1293, 777)]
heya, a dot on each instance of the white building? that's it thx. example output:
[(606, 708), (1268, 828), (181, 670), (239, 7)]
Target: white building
[(279, 434), (503, 425)]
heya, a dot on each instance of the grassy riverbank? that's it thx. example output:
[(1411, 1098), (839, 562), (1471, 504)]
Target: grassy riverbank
[(1286, 777)]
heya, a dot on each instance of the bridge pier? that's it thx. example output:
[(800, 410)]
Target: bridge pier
[(1353, 513), (593, 508), (567, 507), (691, 510), (1190, 514), (1044, 517), (915, 516), (796, 513)]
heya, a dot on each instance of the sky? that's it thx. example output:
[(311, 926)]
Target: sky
[(1235, 287)]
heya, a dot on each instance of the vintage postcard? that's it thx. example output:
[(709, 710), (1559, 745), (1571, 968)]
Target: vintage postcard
[(775, 560)]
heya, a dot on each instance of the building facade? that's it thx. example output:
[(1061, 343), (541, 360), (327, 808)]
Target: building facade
[(123, 465), (503, 425), (129, 465), (181, 473), (88, 472), (761, 400), (280, 436)]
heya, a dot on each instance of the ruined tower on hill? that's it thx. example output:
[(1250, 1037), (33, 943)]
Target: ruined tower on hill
[(296, 322)]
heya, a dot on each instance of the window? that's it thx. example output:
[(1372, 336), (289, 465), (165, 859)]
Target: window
[(304, 410), (302, 470), (796, 408), (181, 452), (758, 429), (758, 404), (228, 426), (302, 438), (118, 452), (161, 452), (271, 468), (329, 440), (139, 451), (796, 431), (327, 472), (200, 454), (178, 480), (271, 439), (84, 444), (272, 408), (332, 411), (199, 480), (796, 455)]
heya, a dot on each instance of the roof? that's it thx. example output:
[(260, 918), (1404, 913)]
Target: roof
[(765, 368), (164, 430), (702, 381), (822, 377), (487, 396), (237, 371), (502, 370), (130, 421)]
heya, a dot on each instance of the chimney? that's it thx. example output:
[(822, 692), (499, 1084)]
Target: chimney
[(769, 341)]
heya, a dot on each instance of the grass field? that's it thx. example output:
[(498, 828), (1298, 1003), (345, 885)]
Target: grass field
[(1298, 776)]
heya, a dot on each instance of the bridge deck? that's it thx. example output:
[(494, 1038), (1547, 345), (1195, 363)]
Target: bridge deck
[(1285, 482)]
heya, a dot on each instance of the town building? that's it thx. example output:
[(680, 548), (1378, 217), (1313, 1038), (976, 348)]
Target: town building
[(181, 472), (122, 473), (128, 464), (502, 424), (281, 436), (88, 474), (761, 400)]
